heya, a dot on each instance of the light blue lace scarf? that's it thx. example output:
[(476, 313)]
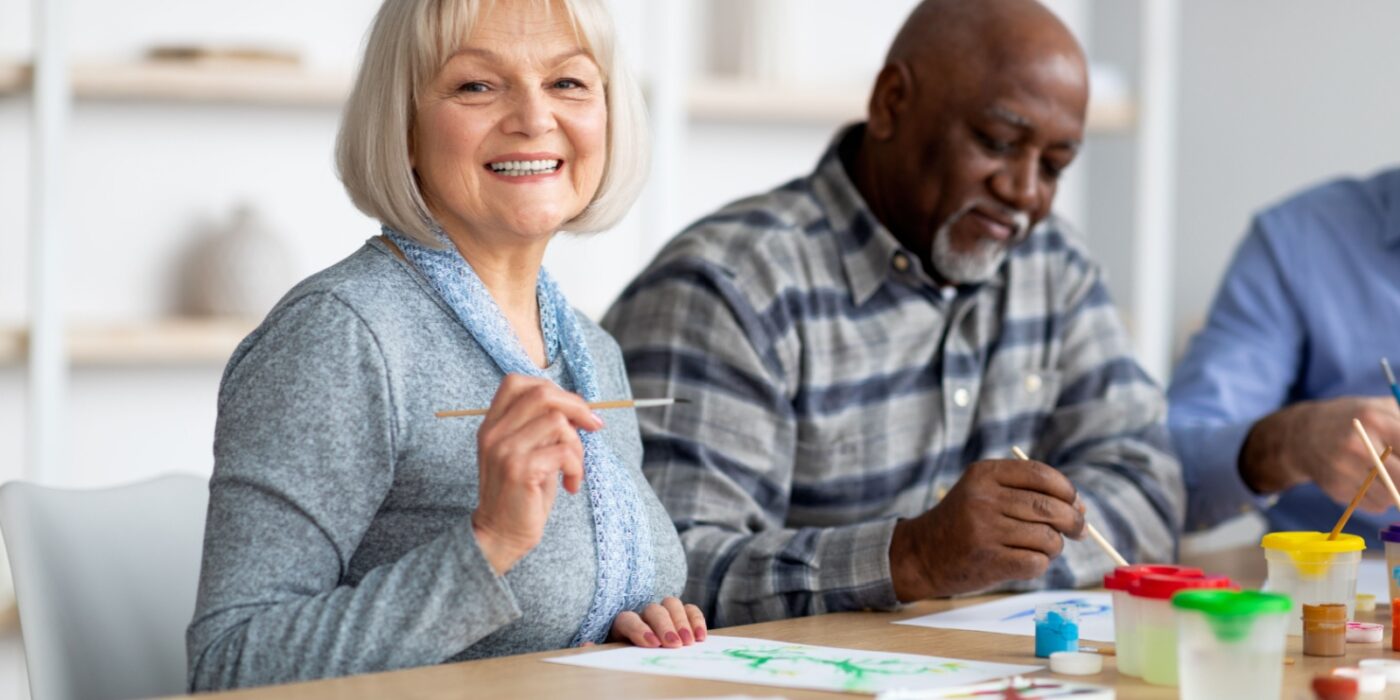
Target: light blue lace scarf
[(626, 565)]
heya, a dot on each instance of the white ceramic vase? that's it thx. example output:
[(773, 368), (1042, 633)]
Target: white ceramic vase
[(240, 270)]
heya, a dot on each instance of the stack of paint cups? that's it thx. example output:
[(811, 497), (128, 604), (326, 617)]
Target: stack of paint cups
[(1230, 643), (1311, 569), (1391, 537), (1157, 620), (1125, 613)]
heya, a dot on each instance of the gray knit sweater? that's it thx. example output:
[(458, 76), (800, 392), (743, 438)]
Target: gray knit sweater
[(339, 538)]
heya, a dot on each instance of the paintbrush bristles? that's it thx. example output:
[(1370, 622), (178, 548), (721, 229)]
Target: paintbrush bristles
[(1088, 526), (1379, 464)]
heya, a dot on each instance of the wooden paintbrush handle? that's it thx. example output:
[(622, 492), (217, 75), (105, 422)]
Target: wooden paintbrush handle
[(1355, 500)]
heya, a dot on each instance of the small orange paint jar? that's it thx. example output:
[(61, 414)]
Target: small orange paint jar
[(1325, 629)]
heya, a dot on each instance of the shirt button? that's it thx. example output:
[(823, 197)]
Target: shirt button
[(941, 492), (961, 397), (901, 262), (1032, 383)]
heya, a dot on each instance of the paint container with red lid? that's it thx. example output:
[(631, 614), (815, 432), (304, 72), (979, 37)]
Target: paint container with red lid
[(1125, 610)]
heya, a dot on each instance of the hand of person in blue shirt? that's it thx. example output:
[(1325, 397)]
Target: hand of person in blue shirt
[(1315, 441)]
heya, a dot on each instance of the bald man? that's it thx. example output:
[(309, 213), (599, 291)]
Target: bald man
[(864, 346)]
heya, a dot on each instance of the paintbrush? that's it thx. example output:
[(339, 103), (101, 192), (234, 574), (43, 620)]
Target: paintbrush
[(1088, 526), (1370, 477), (1390, 377), (1376, 459), (597, 406)]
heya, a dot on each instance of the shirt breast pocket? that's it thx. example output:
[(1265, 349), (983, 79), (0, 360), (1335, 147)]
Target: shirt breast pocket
[(1013, 408)]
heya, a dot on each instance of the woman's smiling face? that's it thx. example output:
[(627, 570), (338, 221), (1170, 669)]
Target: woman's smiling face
[(510, 137)]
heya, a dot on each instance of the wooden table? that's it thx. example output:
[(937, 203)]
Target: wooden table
[(527, 676)]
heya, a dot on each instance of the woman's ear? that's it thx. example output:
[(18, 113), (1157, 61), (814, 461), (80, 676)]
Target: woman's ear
[(889, 100)]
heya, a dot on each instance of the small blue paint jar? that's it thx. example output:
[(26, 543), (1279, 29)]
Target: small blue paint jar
[(1056, 628)]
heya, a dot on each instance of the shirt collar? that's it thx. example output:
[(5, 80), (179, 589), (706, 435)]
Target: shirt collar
[(870, 254), (868, 249)]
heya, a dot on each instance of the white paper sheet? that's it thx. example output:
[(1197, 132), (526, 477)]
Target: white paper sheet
[(1016, 615), (768, 662)]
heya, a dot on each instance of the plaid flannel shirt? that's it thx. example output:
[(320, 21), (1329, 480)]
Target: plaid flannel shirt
[(836, 388)]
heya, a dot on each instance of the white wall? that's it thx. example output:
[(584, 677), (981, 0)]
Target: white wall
[(143, 178), (1275, 96)]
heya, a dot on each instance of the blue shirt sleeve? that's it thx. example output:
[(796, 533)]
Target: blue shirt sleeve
[(1239, 368)]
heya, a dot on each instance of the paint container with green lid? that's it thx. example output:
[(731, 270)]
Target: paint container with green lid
[(1230, 643)]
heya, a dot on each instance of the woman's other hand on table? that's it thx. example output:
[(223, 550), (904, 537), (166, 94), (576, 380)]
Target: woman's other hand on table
[(670, 624)]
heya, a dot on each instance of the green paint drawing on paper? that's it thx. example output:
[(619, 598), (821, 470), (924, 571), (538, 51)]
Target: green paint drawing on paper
[(853, 673)]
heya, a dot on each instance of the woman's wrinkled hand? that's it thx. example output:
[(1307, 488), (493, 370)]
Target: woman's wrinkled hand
[(527, 442)]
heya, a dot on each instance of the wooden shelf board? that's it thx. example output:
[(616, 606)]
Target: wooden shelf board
[(164, 342), (737, 100), (275, 84), (208, 82)]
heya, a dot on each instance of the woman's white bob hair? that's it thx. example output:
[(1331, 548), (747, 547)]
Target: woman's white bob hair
[(409, 43)]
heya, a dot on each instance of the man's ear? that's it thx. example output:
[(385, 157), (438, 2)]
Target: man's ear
[(894, 88)]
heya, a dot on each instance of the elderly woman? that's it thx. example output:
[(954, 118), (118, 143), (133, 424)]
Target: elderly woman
[(349, 529)]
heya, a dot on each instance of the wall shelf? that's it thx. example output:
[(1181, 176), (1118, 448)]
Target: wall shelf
[(754, 101), (274, 84), (207, 82), (174, 341)]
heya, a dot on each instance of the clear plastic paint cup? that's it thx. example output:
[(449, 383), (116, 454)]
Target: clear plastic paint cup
[(1312, 570), (1125, 610), (1230, 643), (1157, 620), (1056, 628), (1390, 536)]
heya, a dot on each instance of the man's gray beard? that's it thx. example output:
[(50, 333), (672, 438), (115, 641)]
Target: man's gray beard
[(979, 264)]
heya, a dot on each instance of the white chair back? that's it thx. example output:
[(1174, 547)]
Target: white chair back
[(105, 580)]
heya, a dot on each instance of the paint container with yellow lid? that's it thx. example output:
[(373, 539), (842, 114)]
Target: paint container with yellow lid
[(1313, 570)]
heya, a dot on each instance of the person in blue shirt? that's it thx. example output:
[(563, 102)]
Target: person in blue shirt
[(1261, 405)]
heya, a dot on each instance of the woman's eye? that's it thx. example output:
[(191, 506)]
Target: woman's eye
[(474, 86), (567, 84)]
